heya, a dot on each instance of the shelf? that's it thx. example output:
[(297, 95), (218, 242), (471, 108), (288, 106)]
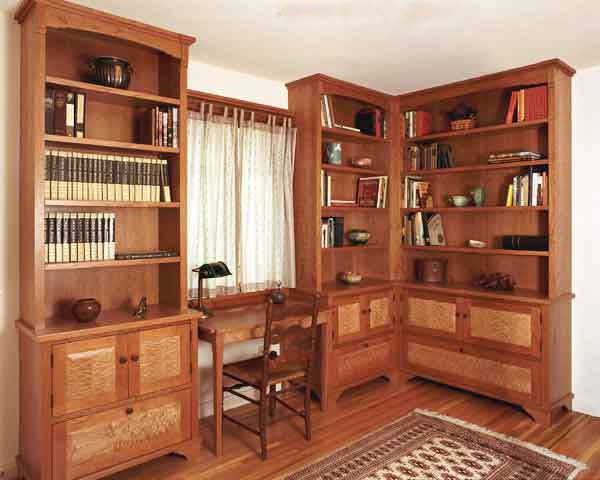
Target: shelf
[(336, 288), (517, 295), (111, 263), (477, 251), (482, 209), (353, 248), (90, 142), (328, 211), (109, 204), (350, 136), (352, 170), (479, 168), (117, 92), (478, 131)]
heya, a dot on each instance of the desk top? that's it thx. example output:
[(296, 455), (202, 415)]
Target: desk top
[(248, 322)]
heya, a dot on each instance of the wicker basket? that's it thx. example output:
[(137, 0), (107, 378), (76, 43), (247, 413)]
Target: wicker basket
[(463, 124)]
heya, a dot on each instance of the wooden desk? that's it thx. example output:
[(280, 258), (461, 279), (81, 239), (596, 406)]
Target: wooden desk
[(239, 324)]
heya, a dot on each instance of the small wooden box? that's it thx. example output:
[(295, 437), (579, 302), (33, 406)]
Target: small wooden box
[(431, 270)]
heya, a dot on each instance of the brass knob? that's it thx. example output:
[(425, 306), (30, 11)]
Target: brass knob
[(135, 358), (129, 410), (122, 360)]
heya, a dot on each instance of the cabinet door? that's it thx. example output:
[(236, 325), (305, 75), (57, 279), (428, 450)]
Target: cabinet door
[(381, 313), (95, 442), (507, 327), (159, 359), (432, 315), (349, 324), (89, 373)]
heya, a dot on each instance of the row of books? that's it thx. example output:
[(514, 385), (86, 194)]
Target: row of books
[(160, 127), (332, 232), (529, 190), (527, 104), (369, 121), (422, 229), (430, 156), (71, 175), (371, 192), (65, 113), (417, 193), (417, 123), (508, 157), (79, 237)]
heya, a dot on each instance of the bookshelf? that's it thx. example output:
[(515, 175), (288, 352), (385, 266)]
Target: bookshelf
[(59, 39)]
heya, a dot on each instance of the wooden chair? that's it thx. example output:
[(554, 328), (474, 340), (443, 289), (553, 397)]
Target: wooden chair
[(293, 367)]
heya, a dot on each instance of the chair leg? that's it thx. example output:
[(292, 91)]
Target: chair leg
[(272, 401), (262, 420), (307, 425)]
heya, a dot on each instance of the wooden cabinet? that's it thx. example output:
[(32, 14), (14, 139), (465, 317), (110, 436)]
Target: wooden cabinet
[(89, 373), (432, 314), (363, 361), (95, 442), (380, 312)]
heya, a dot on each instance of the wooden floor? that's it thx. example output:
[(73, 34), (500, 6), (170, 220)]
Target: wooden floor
[(360, 412)]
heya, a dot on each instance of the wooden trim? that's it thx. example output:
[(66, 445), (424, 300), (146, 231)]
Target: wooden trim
[(320, 77), (195, 97)]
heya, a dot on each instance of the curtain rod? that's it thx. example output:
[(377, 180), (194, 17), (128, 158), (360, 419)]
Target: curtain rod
[(195, 98)]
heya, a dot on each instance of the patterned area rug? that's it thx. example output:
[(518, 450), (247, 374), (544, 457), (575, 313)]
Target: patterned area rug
[(429, 446)]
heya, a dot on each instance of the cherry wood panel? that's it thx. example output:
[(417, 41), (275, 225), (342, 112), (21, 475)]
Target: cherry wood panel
[(364, 361), (349, 321), (431, 314)]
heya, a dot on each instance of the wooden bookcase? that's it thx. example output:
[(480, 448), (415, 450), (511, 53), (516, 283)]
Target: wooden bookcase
[(521, 338), (59, 356)]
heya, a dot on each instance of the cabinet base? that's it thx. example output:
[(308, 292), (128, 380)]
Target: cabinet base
[(546, 418)]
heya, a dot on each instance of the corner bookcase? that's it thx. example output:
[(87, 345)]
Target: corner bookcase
[(75, 377)]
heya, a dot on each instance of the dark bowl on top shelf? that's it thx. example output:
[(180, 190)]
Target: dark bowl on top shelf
[(112, 72), (358, 237)]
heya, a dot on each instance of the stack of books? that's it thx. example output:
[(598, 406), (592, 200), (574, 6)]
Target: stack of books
[(71, 175), (417, 123), (528, 104), (529, 190), (79, 237), (417, 193), (519, 156), (372, 192), (427, 157), (65, 113), (160, 127), (332, 232), (423, 229)]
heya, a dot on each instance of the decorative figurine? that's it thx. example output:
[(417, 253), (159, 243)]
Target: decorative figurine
[(141, 309)]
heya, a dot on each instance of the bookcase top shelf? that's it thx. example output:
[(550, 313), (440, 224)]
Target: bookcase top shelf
[(476, 251), (109, 204), (482, 209), (478, 131), (128, 95), (350, 136), (480, 168), (111, 263), (91, 142)]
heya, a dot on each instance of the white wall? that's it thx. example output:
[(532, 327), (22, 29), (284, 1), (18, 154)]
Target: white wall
[(9, 236), (586, 228)]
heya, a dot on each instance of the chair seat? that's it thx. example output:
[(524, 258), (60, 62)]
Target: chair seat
[(251, 371)]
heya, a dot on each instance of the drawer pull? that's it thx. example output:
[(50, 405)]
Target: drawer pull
[(366, 345), (461, 350), (135, 358), (122, 360), (129, 410)]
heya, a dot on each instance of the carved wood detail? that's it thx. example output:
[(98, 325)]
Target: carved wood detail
[(504, 326), (482, 370), (432, 314)]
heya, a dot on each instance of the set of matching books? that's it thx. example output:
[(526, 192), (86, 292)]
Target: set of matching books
[(421, 229), (71, 175), (417, 123), (65, 113), (332, 232), (430, 156), (160, 127), (79, 237), (417, 193), (528, 104), (529, 190)]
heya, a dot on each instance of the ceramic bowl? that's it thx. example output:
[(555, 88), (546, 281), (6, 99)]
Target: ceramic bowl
[(460, 200), (362, 162), (351, 278), (358, 237), (86, 310)]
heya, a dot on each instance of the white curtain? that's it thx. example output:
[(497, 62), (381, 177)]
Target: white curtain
[(240, 200)]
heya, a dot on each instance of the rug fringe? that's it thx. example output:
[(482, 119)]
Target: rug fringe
[(579, 466)]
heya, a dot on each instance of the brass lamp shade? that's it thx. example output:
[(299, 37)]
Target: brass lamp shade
[(208, 270)]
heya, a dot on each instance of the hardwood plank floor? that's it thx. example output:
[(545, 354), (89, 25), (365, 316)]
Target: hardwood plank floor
[(360, 412)]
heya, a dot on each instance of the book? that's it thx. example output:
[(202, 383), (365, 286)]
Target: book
[(46, 236), (512, 107), (525, 242), (417, 123), (436, 230), (73, 237), (368, 192), (58, 248), (52, 237), (70, 114), (60, 113), (80, 114), (49, 111), (142, 255)]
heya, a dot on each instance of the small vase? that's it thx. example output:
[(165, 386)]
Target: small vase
[(478, 196), (86, 310), (333, 153)]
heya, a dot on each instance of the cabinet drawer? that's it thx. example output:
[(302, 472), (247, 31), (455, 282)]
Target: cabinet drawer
[(432, 314), (356, 363), (505, 327), (89, 373), (484, 372), (95, 442)]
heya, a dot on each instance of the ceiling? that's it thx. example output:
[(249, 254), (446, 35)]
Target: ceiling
[(391, 45)]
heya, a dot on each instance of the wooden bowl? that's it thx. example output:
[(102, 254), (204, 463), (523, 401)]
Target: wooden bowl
[(350, 278), (86, 310), (362, 162)]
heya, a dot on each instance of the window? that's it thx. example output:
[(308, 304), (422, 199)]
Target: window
[(240, 199)]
